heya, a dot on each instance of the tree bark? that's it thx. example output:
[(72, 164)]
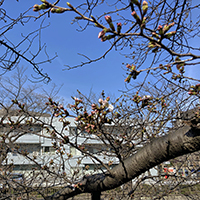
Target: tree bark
[(182, 141), (96, 196)]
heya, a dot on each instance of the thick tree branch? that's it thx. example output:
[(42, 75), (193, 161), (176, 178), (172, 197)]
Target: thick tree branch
[(182, 141)]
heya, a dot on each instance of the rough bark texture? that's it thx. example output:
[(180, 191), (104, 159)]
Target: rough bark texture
[(182, 141)]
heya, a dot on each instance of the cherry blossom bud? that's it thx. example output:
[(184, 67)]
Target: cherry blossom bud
[(44, 6), (160, 30), (167, 27), (144, 7), (36, 7), (102, 33), (154, 34), (170, 34), (119, 27), (134, 14), (108, 19)]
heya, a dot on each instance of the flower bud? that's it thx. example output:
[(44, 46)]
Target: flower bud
[(167, 27), (154, 34), (134, 14), (43, 6), (112, 26), (53, 10), (60, 10), (144, 7), (108, 19), (160, 30), (119, 27), (102, 33), (170, 34), (36, 7)]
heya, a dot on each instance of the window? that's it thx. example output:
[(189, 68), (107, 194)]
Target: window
[(35, 129), (49, 150)]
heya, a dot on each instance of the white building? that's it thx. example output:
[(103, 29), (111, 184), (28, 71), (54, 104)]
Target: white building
[(38, 145)]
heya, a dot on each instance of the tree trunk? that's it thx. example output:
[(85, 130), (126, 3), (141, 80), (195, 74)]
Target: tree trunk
[(179, 142)]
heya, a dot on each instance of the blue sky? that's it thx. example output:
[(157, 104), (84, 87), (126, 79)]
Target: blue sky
[(62, 38)]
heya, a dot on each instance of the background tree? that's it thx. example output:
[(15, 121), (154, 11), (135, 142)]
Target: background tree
[(156, 119)]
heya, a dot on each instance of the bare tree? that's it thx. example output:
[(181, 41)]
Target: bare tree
[(154, 121), (13, 53)]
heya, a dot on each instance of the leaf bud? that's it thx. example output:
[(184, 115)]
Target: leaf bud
[(69, 4), (119, 27)]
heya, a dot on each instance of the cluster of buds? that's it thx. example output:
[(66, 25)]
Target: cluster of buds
[(152, 109), (180, 65), (88, 121), (162, 31), (136, 98), (133, 73), (194, 89), (153, 44), (141, 21), (104, 37), (58, 111), (105, 104), (144, 7), (137, 18), (60, 151), (43, 6), (109, 21), (44, 167), (146, 100), (76, 105), (168, 69), (159, 35), (102, 34), (163, 104), (58, 10), (177, 77), (21, 106)]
